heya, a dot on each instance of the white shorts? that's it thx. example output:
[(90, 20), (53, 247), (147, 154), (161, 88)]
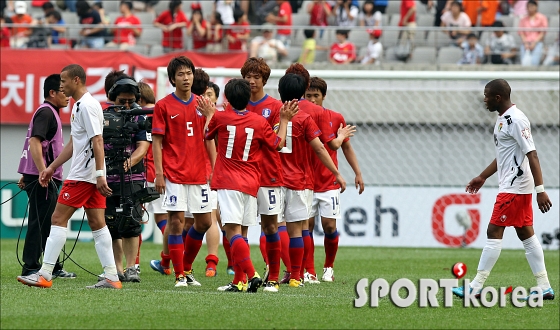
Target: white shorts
[(187, 198), (155, 205), (297, 204), (214, 199), (270, 200), (237, 208), (326, 204)]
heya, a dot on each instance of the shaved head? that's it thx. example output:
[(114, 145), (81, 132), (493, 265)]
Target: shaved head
[(499, 87)]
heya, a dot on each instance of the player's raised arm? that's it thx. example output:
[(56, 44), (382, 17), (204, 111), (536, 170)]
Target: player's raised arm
[(475, 184), (324, 157), (542, 197)]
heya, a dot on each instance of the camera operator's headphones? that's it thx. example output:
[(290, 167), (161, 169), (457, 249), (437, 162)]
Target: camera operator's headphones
[(113, 92)]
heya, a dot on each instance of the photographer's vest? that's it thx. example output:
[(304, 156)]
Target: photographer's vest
[(56, 144)]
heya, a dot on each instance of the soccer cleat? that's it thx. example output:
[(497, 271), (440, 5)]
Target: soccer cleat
[(137, 266), (230, 271), (254, 283), (190, 278), (328, 274), (286, 278), (101, 277), (156, 265), (131, 275), (547, 294), (271, 286), (266, 273), (63, 274), (310, 278), (106, 284), (295, 283), (211, 272), (460, 292), (35, 279), (239, 287), (181, 281)]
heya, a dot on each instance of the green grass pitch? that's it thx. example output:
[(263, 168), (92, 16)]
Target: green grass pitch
[(155, 303)]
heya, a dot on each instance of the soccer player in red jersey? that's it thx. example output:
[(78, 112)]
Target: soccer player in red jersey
[(297, 168), (326, 191), (269, 199), (179, 160), (242, 137)]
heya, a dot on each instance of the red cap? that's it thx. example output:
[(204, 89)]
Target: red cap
[(195, 6), (375, 33)]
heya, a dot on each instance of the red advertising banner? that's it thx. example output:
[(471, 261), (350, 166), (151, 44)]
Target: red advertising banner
[(23, 73)]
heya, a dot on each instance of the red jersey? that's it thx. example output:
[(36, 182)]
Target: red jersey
[(199, 41), (5, 37), (213, 29), (324, 179), (242, 136), (405, 6), (285, 11), (173, 39), (296, 166), (126, 35), (318, 16), (270, 166), (183, 148), (234, 30), (343, 52)]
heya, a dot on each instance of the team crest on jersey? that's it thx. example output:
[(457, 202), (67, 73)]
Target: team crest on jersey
[(72, 118), (266, 112), (171, 201), (526, 133), (503, 218), (500, 127), (199, 113), (66, 196)]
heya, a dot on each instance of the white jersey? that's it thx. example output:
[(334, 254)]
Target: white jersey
[(86, 122), (513, 140)]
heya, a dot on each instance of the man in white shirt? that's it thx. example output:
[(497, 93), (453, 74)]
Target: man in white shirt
[(85, 185), (519, 171), (266, 47)]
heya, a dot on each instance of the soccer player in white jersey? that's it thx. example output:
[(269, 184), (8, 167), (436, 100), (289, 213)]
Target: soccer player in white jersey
[(85, 186), (519, 171)]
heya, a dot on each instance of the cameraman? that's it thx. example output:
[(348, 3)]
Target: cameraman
[(126, 228)]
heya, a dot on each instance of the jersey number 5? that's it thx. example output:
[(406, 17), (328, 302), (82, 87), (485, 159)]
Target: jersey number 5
[(190, 131), (231, 140)]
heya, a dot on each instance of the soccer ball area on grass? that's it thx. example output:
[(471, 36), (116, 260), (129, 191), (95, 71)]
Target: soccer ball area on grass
[(156, 303)]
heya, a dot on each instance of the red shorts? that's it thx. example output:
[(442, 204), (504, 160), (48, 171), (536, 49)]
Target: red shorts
[(81, 194), (513, 210)]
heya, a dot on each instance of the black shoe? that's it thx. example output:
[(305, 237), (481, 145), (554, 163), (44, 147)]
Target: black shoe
[(63, 274), (254, 284)]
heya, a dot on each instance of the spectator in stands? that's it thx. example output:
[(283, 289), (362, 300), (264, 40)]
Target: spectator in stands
[(374, 48), (47, 7), (380, 6), (553, 53), (346, 13), (342, 51), (145, 5), (70, 5), (368, 17), (532, 47), (284, 20), (238, 33), (473, 53), (20, 34), (319, 12), (489, 9), (4, 32), (57, 26), (215, 33), (129, 27), (519, 8), (454, 18), (172, 22), (408, 19), (472, 9), (266, 46), (226, 10), (98, 6), (309, 47), (93, 35), (441, 6), (197, 27), (500, 47), (262, 8)]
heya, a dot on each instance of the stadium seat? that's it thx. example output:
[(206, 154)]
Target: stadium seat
[(322, 56), (389, 56), (112, 16), (111, 6), (151, 36), (425, 20), (328, 38), (550, 37), (394, 7), (425, 55), (449, 55), (145, 18), (395, 18), (508, 21), (358, 37), (207, 7), (294, 53), (300, 19), (298, 37), (485, 38), (548, 8), (69, 18), (156, 50), (389, 38), (140, 49), (438, 39), (163, 5)]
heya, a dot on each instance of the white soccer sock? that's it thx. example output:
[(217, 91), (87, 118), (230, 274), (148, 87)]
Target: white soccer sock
[(490, 255), (104, 248), (535, 256), (55, 242)]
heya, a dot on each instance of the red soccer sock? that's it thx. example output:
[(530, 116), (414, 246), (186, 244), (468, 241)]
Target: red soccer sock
[(193, 242), (296, 257), (310, 264), (138, 253), (227, 249), (306, 250), (241, 256), (331, 247), (273, 248), (212, 261), (165, 260), (176, 250), (285, 250), (161, 225), (262, 246)]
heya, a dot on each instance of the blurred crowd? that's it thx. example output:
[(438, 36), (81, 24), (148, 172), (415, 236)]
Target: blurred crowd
[(290, 30)]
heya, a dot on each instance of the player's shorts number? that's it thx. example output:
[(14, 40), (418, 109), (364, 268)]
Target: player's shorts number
[(271, 197), (190, 131), (334, 202), (288, 147), (231, 140), (204, 194)]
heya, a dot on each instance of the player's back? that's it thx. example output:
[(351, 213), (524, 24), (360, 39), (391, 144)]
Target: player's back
[(242, 135), (270, 166), (296, 164), (183, 148)]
